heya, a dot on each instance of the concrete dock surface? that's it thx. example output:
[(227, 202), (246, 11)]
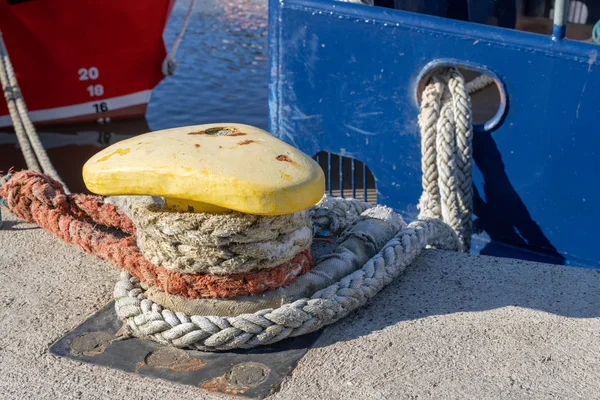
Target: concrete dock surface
[(454, 326)]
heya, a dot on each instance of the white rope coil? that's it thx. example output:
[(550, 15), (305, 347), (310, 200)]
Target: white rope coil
[(212, 333), (444, 223), (219, 243), (334, 214), (333, 260), (479, 83)]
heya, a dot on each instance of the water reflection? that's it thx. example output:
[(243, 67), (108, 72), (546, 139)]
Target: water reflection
[(69, 147), (222, 72), (222, 76)]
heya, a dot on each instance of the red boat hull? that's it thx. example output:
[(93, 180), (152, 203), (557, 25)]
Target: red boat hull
[(84, 60)]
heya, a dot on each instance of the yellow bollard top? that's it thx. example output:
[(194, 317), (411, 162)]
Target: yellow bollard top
[(209, 168)]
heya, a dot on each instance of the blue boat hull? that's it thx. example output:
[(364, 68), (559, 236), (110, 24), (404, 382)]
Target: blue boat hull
[(345, 78)]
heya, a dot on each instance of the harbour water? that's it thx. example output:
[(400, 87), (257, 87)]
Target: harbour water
[(221, 76)]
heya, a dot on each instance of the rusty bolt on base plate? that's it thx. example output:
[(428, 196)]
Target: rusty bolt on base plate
[(239, 379), (254, 373), (91, 344)]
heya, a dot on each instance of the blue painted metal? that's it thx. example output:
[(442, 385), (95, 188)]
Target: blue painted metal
[(559, 32), (344, 79), (561, 12)]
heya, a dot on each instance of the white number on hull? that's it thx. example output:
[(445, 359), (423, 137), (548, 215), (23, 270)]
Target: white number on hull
[(95, 90), (88, 74)]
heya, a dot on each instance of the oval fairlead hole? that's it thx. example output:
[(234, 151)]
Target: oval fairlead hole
[(488, 103)]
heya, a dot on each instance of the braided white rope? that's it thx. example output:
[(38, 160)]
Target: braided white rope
[(446, 147), (334, 214), (211, 333), (479, 83), (447, 132), (219, 243)]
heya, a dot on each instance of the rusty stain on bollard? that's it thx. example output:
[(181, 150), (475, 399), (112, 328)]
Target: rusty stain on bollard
[(238, 379), (91, 343), (176, 360)]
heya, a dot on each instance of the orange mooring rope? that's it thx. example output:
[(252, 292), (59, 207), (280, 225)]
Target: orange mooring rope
[(39, 199)]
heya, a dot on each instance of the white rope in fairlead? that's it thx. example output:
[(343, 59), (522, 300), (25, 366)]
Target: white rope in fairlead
[(445, 217), (446, 150), (169, 64), (34, 153), (479, 83)]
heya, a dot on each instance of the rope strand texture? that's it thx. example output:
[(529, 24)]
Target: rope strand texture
[(211, 333), (34, 197), (446, 129), (446, 148), (37, 198), (334, 214), (219, 243), (169, 64)]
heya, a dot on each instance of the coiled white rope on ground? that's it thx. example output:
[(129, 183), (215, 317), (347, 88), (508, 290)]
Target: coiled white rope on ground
[(34, 153), (444, 223), (211, 333), (333, 260)]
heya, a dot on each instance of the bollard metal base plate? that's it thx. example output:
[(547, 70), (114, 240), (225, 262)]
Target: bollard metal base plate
[(254, 373)]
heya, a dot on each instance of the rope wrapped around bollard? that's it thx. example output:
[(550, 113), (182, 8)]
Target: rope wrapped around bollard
[(211, 333), (39, 199), (444, 223)]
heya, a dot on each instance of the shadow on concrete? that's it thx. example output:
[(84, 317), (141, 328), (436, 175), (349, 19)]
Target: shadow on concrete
[(16, 225), (440, 283)]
